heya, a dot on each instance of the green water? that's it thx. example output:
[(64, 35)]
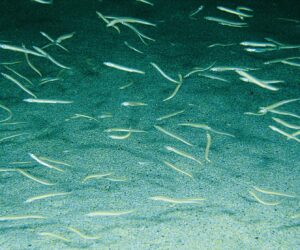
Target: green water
[(137, 164)]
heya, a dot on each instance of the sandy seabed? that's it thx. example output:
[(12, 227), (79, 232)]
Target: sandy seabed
[(230, 217)]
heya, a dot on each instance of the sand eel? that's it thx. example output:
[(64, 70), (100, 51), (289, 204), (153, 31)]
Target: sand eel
[(11, 136), (126, 85), (58, 40), (30, 63), (52, 42), (197, 69), (196, 11), (122, 20), (109, 130), (114, 179), (123, 68), (12, 123), (259, 47), (145, 2), (120, 137), (289, 136), (55, 161), (226, 22), (273, 192), (128, 132), (127, 24), (10, 63), (259, 50), (275, 112), (286, 46), (177, 200), (96, 176), (286, 124), (109, 213), (296, 216), (82, 235), (47, 101), (170, 115), (272, 108), (264, 110), (165, 75), (50, 58), (107, 21), (214, 77), (237, 12), (182, 153), (228, 68), (76, 116), (288, 19), (49, 79), (262, 201), (244, 8), (21, 217), (54, 236), (177, 169), (19, 75), (205, 127), (281, 46), (20, 162), (133, 104), (8, 170), (194, 71), (295, 134), (21, 50), (10, 78), (133, 48), (45, 196), (264, 84), (44, 182), (140, 35), (43, 1), (40, 161), (220, 45), (295, 64), (258, 44), (10, 114), (105, 115), (172, 135), (175, 90), (101, 16), (65, 37), (279, 112), (273, 41), (208, 145)]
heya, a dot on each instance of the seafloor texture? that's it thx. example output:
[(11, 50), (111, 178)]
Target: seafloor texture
[(144, 155)]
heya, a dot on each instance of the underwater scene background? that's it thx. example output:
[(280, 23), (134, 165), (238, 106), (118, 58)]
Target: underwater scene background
[(160, 124)]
